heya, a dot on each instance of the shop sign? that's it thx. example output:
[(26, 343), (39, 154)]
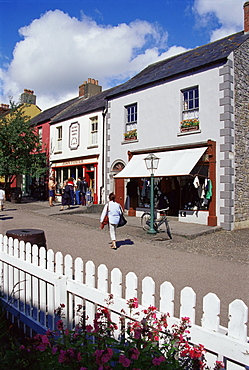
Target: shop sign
[(74, 132)]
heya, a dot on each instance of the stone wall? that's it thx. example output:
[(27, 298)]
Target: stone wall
[(241, 118)]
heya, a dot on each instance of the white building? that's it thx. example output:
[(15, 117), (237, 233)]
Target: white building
[(191, 111), (76, 140)]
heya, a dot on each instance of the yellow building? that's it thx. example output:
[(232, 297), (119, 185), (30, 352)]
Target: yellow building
[(30, 109)]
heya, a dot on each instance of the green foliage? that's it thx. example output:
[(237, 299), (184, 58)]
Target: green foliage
[(20, 149)]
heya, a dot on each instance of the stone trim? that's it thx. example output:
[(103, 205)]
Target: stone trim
[(226, 176)]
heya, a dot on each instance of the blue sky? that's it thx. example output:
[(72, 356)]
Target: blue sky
[(53, 46)]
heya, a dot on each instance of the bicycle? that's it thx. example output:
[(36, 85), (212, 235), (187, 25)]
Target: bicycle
[(145, 221)]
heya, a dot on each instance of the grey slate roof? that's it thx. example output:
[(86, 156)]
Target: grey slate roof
[(49, 113), (200, 57), (83, 106)]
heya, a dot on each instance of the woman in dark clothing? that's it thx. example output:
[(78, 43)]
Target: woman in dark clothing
[(66, 198)]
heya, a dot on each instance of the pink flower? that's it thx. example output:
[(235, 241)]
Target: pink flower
[(89, 328), (132, 303), (124, 361), (60, 325), (134, 352), (103, 356), (157, 360)]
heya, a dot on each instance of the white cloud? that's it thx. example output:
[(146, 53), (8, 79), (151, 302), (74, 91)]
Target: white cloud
[(228, 14), (59, 52)]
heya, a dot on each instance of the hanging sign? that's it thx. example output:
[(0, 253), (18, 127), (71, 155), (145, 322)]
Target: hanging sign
[(74, 135)]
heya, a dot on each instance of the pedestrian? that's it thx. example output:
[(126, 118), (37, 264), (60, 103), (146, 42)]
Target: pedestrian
[(65, 198), (2, 196), (84, 186), (71, 186), (51, 189), (78, 191), (113, 210)]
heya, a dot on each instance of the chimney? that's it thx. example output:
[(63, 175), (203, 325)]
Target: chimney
[(4, 108), (246, 17), (28, 97), (89, 88)]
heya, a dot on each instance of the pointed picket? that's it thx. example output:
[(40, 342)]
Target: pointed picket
[(50, 260), (28, 292), (16, 276), (59, 263), (238, 316), (79, 302), (90, 281), (102, 278), (22, 276), (42, 286), (167, 294), (148, 292), (78, 270), (131, 285), (116, 290), (68, 261), (116, 282), (5, 244), (1, 242), (188, 303), (211, 312), (35, 291), (50, 290)]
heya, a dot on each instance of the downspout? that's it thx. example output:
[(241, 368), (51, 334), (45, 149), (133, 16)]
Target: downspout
[(104, 112)]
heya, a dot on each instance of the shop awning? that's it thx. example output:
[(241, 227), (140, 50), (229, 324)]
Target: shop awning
[(171, 163)]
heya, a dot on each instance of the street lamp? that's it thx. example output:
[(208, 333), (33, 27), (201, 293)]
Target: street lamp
[(151, 162)]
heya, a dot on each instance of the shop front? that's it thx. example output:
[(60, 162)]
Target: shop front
[(185, 177), (78, 168)]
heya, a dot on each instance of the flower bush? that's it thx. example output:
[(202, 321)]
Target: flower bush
[(144, 344)]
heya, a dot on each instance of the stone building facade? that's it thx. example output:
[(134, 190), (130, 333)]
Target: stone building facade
[(241, 127)]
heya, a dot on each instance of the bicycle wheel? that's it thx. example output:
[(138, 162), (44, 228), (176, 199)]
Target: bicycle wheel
[(168, 229), (145, 221)]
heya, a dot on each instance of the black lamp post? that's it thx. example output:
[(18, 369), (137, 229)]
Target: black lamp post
[(151, 162)]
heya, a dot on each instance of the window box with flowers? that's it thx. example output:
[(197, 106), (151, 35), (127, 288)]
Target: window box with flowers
[(130, 135), (189, 125)]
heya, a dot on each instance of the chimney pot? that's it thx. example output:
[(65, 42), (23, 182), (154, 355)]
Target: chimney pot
[(246, 17)]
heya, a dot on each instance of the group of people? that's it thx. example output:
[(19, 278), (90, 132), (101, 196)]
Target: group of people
[(71, 191)]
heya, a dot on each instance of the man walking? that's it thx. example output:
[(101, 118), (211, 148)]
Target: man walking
[(2, 197), (51, 190), (83, 190)]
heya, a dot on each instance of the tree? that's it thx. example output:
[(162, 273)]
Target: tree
[(20, 147)]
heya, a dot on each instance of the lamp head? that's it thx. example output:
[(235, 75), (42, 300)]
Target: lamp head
[(151, 162)]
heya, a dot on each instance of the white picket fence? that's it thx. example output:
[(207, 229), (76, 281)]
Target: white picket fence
[(34, 282)]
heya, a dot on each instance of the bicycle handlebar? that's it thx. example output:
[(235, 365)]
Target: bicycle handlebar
[(161, 210)]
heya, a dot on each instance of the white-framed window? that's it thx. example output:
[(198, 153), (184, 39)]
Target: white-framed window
[(94, 131), (59, 139), (130, 122), (190, 109), (40, 134)]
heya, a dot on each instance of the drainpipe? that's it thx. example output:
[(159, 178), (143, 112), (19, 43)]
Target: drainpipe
[(104, 112)]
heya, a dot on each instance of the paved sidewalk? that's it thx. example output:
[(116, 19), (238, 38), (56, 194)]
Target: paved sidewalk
[(81, 215)]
